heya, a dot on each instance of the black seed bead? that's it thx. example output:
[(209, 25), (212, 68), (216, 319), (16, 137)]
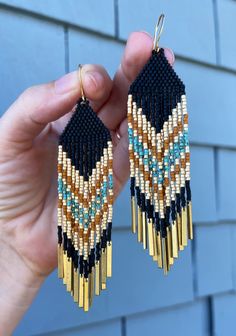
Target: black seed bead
[(157, 222), (64, 241), (76, 259), (173, 210), (183, 199), (109, 230), (83, 133), (81, 264), (59, 234), (86, 269), (178, 206), (104, 239), (98, 251), (69, 248), (163, 227), (188, 190), (132, 186), (157, 89)]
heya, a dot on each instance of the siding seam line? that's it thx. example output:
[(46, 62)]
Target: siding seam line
[(217, 31), (67, 49), (116, 16), (107, 36)]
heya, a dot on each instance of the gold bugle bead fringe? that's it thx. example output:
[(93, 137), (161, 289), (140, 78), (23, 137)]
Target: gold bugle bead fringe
[(150, 238), (144, 231), (169, 247), (180, 232), (86, 294), (184, 227), (109, 259), (140, 226), (133, 210), (174, 239), (72, 281), (65, 267), (155, 255), (81, 291), (190, 220), (76, 286), (91, 287), (104, 268), (159, 251), (60, 261), (165, 255), (69, 275), (97, 278)]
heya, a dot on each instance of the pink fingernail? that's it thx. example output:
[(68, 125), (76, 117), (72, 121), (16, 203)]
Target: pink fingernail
[(169, 55), (93, 80)]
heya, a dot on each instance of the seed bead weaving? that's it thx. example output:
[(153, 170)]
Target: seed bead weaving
[(85, 205), (159, 161)]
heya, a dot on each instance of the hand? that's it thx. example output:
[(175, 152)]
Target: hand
[(28, 145)]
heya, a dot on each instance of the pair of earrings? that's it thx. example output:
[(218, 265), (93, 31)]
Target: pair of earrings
[(159, 180)]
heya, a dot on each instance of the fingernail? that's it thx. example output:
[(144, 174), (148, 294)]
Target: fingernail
[(169, 55), (70, 82), (92, 81)]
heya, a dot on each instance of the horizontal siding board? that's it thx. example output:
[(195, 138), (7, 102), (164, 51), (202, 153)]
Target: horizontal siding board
[(33, 53), (105, 329), (93, 14), (211, 98), (86, 48), (180, 32), (213, 252), (224, 314), (137, 285), (227, 31), (183, 320), (226, 184), (203, 184), (233, 244)]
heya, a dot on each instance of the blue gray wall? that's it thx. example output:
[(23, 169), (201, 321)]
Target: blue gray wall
[(40, 40)]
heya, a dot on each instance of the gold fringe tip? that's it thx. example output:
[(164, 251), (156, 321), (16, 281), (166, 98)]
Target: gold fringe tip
[(60, 261)]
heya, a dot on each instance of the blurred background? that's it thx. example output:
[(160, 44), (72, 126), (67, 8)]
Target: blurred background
[(40, 41)]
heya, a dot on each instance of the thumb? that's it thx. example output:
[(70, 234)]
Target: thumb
[(42, 104)]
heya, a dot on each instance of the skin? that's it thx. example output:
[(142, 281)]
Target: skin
[(29, 132)]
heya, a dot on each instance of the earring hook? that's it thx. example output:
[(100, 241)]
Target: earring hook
[(81, 83), (158, 32)]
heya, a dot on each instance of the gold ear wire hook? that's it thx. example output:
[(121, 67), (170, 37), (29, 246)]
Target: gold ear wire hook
[(158, 32), (81, 83)]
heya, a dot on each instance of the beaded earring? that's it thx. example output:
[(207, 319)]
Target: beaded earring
[(159, 158), (85, 201)]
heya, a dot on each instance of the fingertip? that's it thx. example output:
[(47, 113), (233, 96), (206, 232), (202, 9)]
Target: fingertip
[(169, 55), (96, 82), (142, 37), (137, 52), (93, 83)]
